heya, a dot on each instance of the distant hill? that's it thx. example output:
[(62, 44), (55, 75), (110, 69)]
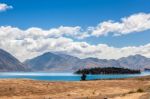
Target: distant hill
[(135, 62), (10, 63), (55, 62)]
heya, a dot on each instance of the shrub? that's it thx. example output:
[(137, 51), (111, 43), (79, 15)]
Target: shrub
[(140, 90)]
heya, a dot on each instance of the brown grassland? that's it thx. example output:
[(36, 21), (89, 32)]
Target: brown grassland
[(134, 88)]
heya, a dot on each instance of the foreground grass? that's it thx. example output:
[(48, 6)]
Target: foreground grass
[(136, 88)]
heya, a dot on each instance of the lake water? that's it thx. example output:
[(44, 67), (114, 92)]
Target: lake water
[(64, 76)]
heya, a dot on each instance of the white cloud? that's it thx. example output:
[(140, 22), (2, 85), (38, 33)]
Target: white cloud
[(132, 24), (55, 32), (29, 43), (4, 7)]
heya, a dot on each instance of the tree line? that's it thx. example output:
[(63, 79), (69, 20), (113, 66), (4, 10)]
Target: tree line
[(107, 70)]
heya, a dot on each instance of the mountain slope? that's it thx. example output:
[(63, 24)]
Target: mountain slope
[(66, 63), (10, 63), (54, 62), (132, 62), (135, 62)]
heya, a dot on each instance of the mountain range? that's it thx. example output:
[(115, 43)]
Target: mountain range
[(56, 62)]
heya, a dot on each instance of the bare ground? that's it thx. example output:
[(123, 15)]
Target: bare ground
[(137, 88)]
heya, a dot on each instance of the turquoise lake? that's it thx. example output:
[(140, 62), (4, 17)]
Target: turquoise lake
[(64, 76)]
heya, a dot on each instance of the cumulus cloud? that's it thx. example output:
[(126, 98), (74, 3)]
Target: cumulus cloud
[(25, 44), (55, 32), (4, 7), (33, 41), (132, 24)]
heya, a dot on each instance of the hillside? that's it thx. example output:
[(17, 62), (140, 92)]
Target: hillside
[(54, 62), (10, 63)]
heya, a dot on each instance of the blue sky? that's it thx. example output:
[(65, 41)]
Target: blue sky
[(53, 13), (47, 14)]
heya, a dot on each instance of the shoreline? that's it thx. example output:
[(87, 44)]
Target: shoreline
[(67, 76)]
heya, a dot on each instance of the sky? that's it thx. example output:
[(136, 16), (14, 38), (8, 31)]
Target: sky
[(105, 29)]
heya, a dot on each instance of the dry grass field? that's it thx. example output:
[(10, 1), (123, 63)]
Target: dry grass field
[(136, 88)]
